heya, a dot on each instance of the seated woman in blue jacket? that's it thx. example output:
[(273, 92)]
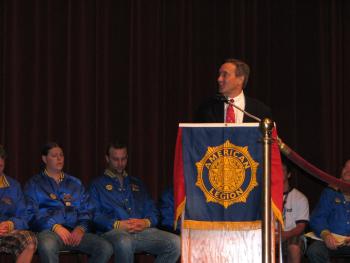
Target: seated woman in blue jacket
[(13, 238), (60, 211)]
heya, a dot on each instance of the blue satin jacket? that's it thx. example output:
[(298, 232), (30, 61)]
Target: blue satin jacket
[(12, 203), (112, 202), (166, 207), (331, 213), (49, 203)]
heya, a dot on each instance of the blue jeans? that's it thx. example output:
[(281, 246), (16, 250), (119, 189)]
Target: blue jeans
[(319, 253), (165, 246), (49, 245)]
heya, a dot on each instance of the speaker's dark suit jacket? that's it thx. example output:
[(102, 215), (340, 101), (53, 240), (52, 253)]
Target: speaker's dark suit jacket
[(213, 110)]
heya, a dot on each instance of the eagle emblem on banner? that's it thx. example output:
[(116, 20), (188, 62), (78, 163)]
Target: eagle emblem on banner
[(227, 174)]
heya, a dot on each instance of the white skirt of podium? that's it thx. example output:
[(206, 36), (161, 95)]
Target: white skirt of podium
[(221, 246)]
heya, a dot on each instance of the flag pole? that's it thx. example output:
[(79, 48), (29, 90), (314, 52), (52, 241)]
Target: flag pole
[(266, 125)]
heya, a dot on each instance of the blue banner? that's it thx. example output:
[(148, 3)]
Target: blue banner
[(223, 177)]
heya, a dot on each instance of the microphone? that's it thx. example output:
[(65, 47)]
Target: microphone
[(220, 97)]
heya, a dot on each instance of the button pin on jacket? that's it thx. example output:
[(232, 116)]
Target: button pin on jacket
[(109, 187)]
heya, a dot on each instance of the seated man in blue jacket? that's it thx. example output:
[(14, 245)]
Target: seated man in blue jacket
[(60, 211), (331, 216), (127, 215), (166, 207), (13, 219)]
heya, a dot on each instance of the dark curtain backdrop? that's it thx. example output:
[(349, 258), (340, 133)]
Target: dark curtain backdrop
[(84, 72)]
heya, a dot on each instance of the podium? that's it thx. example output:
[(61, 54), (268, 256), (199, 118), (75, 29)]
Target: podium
[(218, 191)]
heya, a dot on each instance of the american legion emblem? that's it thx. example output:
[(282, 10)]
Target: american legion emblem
[(227, 174)]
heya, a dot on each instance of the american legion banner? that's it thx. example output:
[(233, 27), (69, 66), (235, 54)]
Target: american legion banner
[(218, 176)]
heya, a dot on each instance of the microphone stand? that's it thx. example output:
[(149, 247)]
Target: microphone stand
[(222, 98)]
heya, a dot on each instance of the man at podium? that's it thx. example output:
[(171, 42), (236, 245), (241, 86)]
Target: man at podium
[(218, 174), (232, 79)]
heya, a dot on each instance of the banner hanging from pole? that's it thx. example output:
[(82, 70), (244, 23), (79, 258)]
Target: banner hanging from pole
[(218, 176)]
